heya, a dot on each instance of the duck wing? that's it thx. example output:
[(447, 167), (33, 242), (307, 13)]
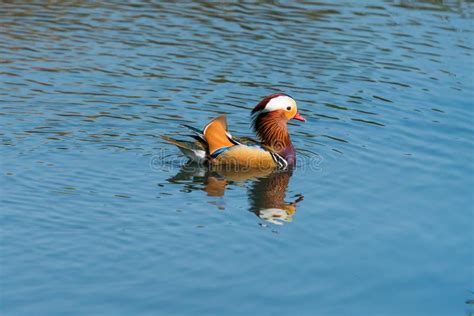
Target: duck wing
[(245, 140), (216, 135)]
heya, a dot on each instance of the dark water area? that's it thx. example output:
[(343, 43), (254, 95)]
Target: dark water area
[(100, 217)]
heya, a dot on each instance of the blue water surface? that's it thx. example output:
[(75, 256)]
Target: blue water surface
[(99, 216)]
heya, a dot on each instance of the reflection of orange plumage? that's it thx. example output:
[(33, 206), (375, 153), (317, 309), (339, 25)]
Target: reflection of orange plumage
[(215, 186), (267, 197), (266, 193), (270, 191), (216, 146)]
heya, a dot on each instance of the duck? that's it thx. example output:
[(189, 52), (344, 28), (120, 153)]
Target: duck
[(215, 146)]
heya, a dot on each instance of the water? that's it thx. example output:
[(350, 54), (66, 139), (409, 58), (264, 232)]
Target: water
[(99, 216)]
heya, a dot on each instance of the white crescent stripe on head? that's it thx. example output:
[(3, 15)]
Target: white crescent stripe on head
[(279, 103)]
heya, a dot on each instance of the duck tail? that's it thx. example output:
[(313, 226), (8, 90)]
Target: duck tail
[(197, 134), (194, 151)]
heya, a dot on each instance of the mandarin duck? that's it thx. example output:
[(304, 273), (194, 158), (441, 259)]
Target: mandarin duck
[(214, 145)]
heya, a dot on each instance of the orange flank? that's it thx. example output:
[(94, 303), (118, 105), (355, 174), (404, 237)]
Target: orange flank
[(243, 156)]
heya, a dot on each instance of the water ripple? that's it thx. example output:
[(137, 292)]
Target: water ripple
[(86, 88)]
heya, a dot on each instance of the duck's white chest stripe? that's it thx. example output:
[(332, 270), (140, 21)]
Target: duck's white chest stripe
[(281, 162)]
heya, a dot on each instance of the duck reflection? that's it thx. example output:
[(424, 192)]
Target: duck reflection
[(266, 192)]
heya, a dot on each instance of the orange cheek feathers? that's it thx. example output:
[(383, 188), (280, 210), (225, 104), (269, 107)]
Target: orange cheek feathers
[(290, 114)]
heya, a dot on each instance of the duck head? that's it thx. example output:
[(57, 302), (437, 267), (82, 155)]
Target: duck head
[(269, 121)]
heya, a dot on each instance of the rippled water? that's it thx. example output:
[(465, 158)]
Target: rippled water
[(99, 216)]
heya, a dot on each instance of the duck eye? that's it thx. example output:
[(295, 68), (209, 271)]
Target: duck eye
[(288, 108)]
